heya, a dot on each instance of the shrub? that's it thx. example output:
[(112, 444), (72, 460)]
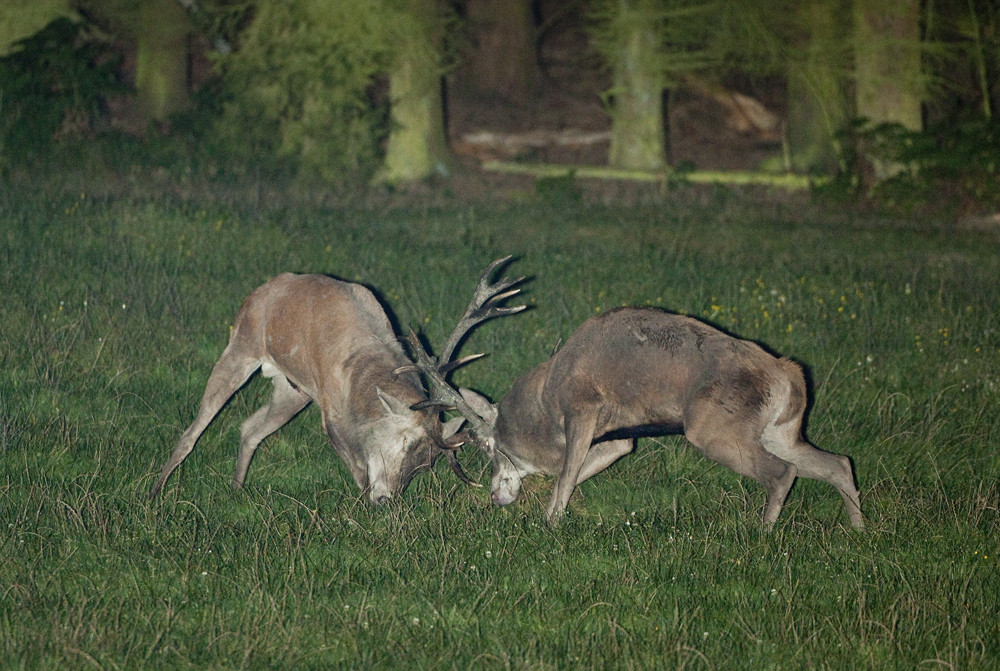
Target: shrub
[(53, 87), (951, 166), (300, 88)]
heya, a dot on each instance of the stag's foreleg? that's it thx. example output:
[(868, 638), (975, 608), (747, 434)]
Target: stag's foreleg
[(285, 403), (229, 374), (579, 437)]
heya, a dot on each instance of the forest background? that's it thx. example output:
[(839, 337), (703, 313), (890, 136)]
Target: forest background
[(895, 101)]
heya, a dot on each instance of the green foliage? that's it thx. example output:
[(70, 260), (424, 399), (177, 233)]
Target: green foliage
[(952, 168), (678, 33), (299, 88), (965, 67), (713, 38), (661, 561), (53, 87), (307, 83)]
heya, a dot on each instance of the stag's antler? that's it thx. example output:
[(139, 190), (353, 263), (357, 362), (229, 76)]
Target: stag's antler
[(442, 394), (485, 305)]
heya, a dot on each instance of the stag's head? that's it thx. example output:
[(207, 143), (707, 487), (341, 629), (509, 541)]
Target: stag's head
[(402, 442), (506, 482)]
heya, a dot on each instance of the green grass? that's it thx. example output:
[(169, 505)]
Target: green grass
[(115, 309)]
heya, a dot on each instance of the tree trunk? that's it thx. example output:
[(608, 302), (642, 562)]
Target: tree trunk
[(504, 57), (162, 59), (887, 69), (417, 147), (887, 62), (637, 132), (817, 103)]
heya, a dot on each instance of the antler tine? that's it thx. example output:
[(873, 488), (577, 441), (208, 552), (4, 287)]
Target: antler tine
[(457, 469), (485, 305), (458, 363), (442, 393)]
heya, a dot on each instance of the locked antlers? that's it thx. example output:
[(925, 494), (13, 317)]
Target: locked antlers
[(486, 304)]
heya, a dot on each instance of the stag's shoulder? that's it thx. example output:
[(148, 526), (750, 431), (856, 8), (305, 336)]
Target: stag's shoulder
[(299, 286)]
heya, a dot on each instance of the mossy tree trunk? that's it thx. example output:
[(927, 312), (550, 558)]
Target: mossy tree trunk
[(417, 147), (817, 99), (888, 82), (503, 58), (887, 61), (161, 78), (637, 118)]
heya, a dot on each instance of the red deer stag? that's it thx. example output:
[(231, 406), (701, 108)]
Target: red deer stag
[(644, 371), (328, 341)]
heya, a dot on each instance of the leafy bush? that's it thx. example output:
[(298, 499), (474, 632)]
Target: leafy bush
[(300, 88), (952, 166), (53, 87)]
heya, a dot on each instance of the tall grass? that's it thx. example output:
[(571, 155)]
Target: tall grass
[(115, 309)]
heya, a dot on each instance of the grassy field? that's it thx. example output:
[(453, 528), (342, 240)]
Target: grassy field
[(115, 309)]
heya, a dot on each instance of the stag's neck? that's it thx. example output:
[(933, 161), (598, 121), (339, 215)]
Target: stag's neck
[(374, 368), (526, 427)]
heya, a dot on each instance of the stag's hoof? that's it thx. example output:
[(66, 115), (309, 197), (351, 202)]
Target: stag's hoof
[(554, 517)]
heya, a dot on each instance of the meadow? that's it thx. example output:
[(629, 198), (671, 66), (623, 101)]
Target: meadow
[(115, 308)]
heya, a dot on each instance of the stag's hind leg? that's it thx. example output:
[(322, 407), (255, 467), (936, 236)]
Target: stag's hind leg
[(814, 463), (285, 403), (737, 449), (229, 374)]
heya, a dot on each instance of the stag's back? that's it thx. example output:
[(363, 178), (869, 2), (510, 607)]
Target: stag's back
[(645, 366), (327, 336)]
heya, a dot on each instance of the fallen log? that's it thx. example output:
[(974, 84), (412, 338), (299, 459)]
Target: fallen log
[(733, 177)]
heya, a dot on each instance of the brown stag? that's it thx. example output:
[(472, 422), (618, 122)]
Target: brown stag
[(330, 342)]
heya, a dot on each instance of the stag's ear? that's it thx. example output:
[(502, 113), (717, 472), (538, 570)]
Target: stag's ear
[(451, 427), (480, 405), (392, 405)]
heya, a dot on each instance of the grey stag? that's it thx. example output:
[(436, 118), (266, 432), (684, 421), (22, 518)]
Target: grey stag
[(645, 371)]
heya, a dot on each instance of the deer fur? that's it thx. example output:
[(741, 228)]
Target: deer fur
[(330, 342), (644, 371)]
